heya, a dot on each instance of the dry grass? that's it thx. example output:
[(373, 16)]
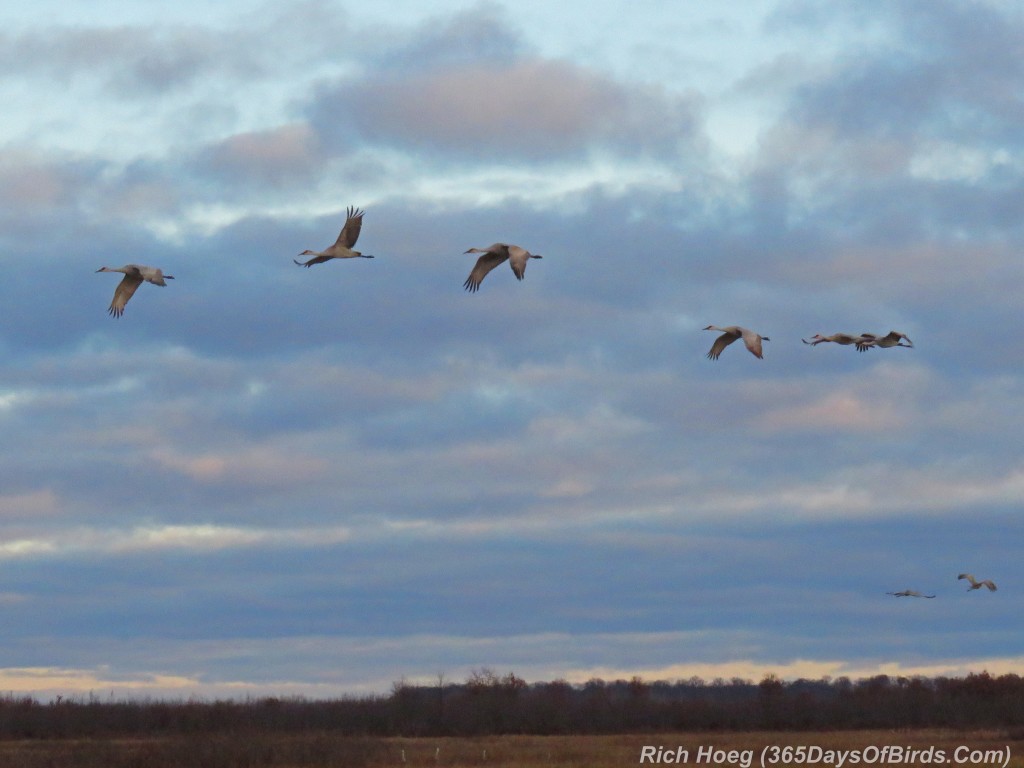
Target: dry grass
[(330, 751)]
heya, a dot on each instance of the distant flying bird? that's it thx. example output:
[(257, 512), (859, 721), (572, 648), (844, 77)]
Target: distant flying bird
[(835, 338), (492, 257), (909, 593), (891, 339), (975, 584), (134, 275), (732, 332), (342, 248)]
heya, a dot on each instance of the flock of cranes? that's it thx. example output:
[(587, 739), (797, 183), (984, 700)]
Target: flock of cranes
[(491, 257), (863, 342), (518, 258), (136, 274)]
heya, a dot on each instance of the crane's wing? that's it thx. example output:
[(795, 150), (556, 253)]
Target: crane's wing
[(865, 342), (350, 232), (315, 260), (518, 258), (484, 264), (124, 291), (155, 275), (753, 342), (721, 343)]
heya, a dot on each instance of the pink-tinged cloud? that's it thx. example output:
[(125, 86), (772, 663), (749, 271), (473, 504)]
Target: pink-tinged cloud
[(31, 180), (887, 396), (529, 109), (262, 466), (276, 156), (32, 505), (845, 411)]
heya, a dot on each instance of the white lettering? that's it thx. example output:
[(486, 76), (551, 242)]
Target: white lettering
[(708, 754), (968, 755), (662, 756)]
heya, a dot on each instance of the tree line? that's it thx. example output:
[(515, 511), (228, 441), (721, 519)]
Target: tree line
[(487, 703)]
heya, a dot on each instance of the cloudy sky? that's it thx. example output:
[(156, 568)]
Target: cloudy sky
[(270, 480)]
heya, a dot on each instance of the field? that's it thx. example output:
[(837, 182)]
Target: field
[(727, 750)]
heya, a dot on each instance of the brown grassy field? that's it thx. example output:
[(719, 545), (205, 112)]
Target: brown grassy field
[(977, 748)]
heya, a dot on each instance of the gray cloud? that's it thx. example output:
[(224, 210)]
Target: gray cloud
[(277, 157), (160, 59), (444, 90), (531, 109), (942, 69), (481, 33), (40, 194), (131, 59)]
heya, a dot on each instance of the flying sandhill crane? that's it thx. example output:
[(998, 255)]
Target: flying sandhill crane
[(342, 248), (891, 339), (134, 275), (732, 332), (492, 257), (909, 593), (975, 584), (835, 338)]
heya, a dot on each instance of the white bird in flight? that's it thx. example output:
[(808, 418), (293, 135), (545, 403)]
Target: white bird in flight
[(732, 332), (891, 339), (134, 276), (493, 256), (342, 248), (909, 593), (975, 584)]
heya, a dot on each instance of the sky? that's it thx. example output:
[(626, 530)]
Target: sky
[(268, 480)]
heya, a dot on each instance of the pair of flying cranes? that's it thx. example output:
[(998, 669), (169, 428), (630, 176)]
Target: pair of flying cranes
[(136, 274), (975, 584)]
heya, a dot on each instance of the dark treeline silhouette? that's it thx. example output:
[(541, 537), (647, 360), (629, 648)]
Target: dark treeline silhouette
[(489, 704)]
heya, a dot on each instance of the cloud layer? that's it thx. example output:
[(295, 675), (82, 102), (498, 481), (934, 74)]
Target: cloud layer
[(270, 479)]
